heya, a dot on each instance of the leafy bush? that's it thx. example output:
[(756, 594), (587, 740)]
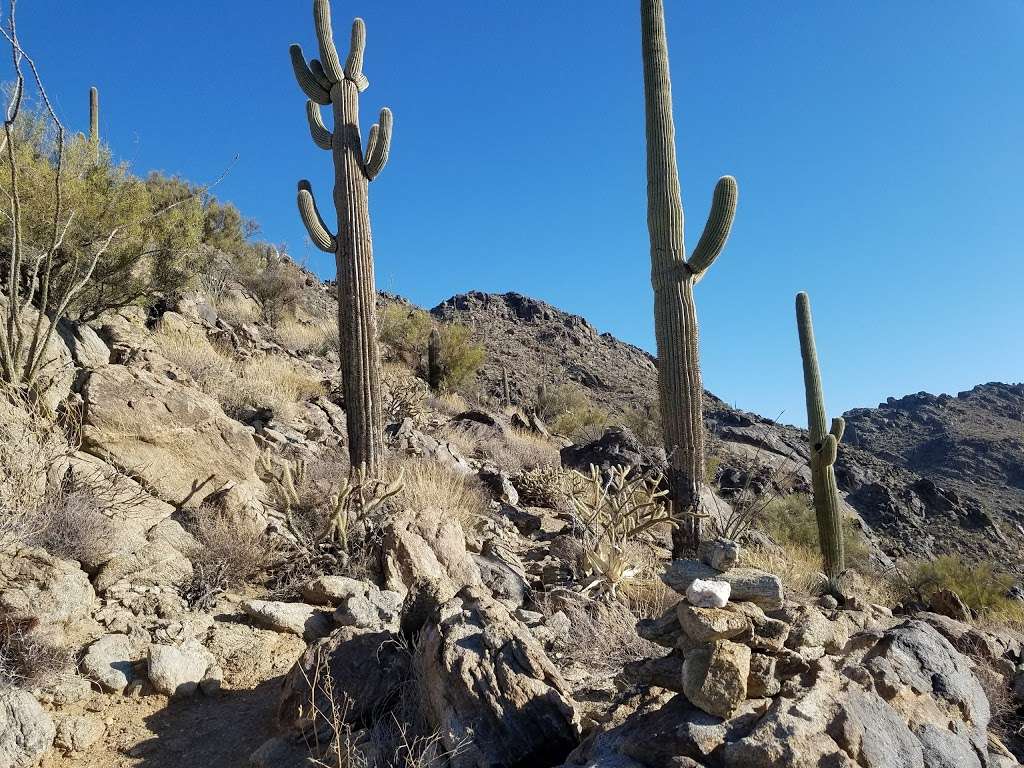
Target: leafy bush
[(983, 586), (569, 411), (461, 357), (274, 281), (645, 423), (406, 330)]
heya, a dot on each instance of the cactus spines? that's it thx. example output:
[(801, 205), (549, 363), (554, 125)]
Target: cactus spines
[(824, 445), (94, 121), (673, 277), (434, 370), (326, 82)]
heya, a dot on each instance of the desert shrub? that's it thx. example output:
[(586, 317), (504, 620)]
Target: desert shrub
[(274, 281), (569, 411), (233, 551), (461, 357), (983, 586), (30, 443), (645, 423), (224, 228), (71, 522), (404, 395), (27, 658), (234, 308), (791, 522), (405, 329), (156, 222)]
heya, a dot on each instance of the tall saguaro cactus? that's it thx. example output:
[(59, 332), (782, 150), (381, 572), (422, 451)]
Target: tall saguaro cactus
[(673, 278), (94, 121), (824, 445), (327, 82), (434, 369)]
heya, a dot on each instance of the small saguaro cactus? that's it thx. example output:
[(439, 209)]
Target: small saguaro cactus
[(327, 82), (435, 370), (673, 277), (824, 445), (94, 121)]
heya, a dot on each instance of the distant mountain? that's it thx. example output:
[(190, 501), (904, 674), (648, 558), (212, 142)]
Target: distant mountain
[(927, 474)]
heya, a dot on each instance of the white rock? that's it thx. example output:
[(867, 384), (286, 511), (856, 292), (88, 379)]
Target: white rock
[(705, 593)]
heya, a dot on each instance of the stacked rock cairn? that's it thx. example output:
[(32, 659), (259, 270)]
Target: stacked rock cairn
[(725, 646)]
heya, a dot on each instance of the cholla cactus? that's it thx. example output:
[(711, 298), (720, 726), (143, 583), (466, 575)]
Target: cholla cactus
[(612, 511), (356, 499), (327, 82), (548, 487), (824, 447), (673, 277)]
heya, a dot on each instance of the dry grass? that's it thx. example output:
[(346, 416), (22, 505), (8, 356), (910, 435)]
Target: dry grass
[(430, 484), (797, 565), (209, 366), (236, 310), (72, 521), (273, 382), (448, 403), (313, 337), (522, 451)]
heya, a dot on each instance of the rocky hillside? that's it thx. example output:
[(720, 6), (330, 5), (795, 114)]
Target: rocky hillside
[(927, 474)]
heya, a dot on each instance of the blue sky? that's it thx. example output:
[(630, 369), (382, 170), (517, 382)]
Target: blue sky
[(878, 148)]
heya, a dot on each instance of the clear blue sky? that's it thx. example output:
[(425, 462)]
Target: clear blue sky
[(878, 148)]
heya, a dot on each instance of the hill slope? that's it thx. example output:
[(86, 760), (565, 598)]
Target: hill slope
[(927, 474)]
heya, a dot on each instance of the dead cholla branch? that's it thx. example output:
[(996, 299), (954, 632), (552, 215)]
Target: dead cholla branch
[(611, 512), (27, 659)]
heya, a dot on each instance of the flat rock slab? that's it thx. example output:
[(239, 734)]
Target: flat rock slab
[(307, 621), (746, 584)]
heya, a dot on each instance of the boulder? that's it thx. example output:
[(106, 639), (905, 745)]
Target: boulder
[(34, 583), (76, 733), (159, 561), (487, 685), (428, 546), (368, 671), (617, 447), (178, 670), (702, 625), (746, 584), (946, 602), (708, 594), (26, 731), (87, 349), (176, 441), (307, 621), (108, 662), (715, 676), (721, 554)]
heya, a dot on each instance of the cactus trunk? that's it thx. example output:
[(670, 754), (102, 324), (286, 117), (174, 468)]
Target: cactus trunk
[(673, 277), (357, 302), (327, 81), (94, 121), (434, 370), (824, 444)]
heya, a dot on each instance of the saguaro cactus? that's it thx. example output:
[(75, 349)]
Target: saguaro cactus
[(434, 369), (326, 82), (94, 121), (824, 445), (673, 278)]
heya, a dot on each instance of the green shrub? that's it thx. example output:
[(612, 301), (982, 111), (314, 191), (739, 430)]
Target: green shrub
[(645, 423), (405, 329), (569, 411), (461, 357), (791, 522), (981, 585), (273, 280)]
